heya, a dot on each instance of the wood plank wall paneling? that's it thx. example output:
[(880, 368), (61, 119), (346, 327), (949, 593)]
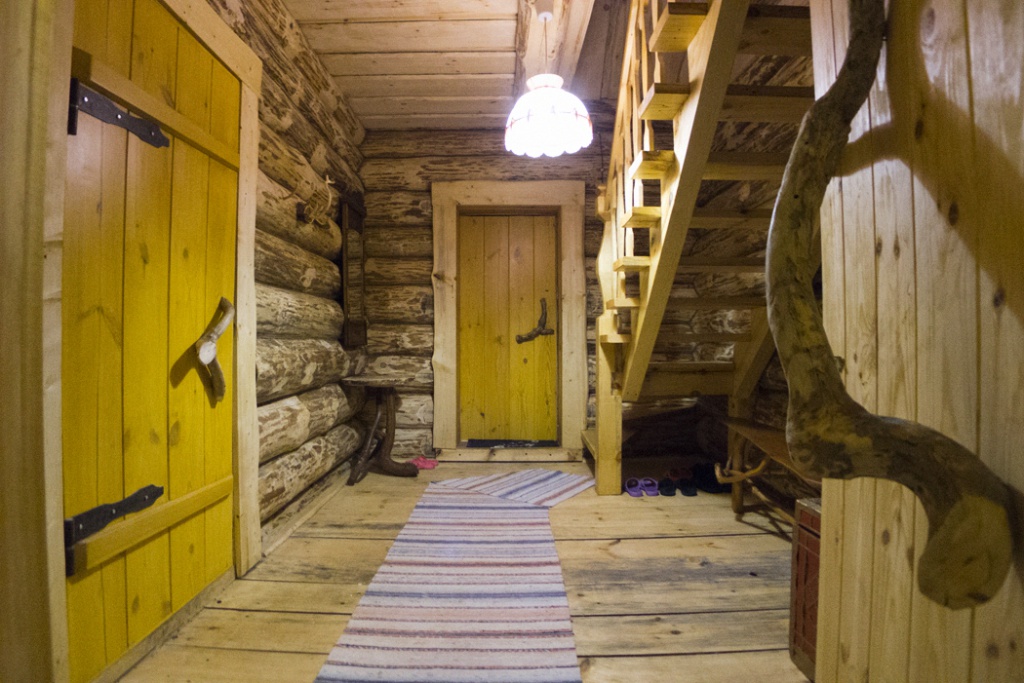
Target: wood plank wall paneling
[(308, 423), (921, 248), (399, 168)]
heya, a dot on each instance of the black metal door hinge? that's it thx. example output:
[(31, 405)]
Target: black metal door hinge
[(98, 106), (87, 523)]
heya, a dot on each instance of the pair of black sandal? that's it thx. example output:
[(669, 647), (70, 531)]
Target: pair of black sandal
[(677, 480)]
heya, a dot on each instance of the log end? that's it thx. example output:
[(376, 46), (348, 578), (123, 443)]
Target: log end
[(968, 555)]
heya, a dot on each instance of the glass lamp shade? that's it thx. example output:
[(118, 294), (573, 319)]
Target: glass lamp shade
[(548, 120)]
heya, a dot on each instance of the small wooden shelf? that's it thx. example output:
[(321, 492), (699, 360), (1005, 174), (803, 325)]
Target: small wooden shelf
[(652, 165), (622, 303), (663, 101), (643, 217), (632, 264), (677, 26)]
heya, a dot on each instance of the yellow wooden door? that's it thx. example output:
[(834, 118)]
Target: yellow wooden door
[(507, 390), (149, 250)]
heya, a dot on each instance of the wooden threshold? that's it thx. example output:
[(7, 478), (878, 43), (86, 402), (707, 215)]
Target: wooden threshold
[(509, 455)]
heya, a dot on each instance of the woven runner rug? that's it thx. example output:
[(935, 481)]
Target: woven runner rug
[(470, 592)]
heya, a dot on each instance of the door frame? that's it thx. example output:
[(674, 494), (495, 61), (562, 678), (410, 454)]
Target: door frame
[(38, 39), (566, 199)]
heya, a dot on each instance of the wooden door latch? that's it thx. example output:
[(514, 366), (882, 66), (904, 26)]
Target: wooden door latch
[(206, 346), (542, 330)]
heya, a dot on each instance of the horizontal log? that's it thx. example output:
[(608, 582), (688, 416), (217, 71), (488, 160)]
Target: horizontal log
[(669, 382), (288, 167), (278, 112), (289, 366), (398, 271), (284, 314), (268, 28), (398, 208), (400, 304), (286, 265), (391, 241), (417, 173), (419, 371), (593, 235), (410, 443), (290, 422), (415, 411), (384, 339), (286, 477), (275, 214)]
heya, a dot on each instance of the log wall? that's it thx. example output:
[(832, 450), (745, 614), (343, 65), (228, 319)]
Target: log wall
[(924, 301), (308, 135), (399, 169)]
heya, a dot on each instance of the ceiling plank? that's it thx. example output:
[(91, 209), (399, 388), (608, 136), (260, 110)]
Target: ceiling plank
[(420, 63), (565, 34), (474, 85), (393, 106), (405, 10), (600, 61), (412, 36)]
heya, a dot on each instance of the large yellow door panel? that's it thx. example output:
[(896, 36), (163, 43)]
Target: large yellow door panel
[(149, 251), (507, 264)]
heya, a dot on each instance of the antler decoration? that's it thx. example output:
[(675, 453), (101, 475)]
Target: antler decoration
[(970, 545), (319, 204)]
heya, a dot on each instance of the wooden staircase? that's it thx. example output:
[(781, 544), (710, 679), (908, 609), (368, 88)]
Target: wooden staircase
[(663, 184)]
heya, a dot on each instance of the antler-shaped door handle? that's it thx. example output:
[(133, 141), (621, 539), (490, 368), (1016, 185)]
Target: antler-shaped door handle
[(541, 330), (206, 347)]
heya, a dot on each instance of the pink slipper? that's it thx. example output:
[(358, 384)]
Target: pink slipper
[(423, 463)]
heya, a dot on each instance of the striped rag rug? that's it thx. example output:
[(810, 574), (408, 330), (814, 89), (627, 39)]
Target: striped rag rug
[(470, 592)]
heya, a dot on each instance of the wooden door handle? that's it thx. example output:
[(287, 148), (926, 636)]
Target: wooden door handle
[(541, 330), (206, 346)]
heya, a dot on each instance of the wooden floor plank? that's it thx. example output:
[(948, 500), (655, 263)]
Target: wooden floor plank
[(677, 634), (323, 560), (177, 664), (673, 587), (763, 667), (247, 630), (290, 596), (589, 516), (675, 575)]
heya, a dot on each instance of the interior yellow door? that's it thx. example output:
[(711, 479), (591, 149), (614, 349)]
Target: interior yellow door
[(507, 390), (149, 250)]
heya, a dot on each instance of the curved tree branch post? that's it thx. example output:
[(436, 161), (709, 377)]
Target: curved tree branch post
[(969, 546)]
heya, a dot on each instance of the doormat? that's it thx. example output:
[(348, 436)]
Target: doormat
[(470, 592), (510, 443)]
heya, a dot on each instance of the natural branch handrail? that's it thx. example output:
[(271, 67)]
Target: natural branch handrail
[(970, 546)]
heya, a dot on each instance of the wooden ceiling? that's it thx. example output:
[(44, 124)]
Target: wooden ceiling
[(407, 64)]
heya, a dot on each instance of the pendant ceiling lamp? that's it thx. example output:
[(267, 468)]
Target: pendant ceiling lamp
[(547, 120)]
